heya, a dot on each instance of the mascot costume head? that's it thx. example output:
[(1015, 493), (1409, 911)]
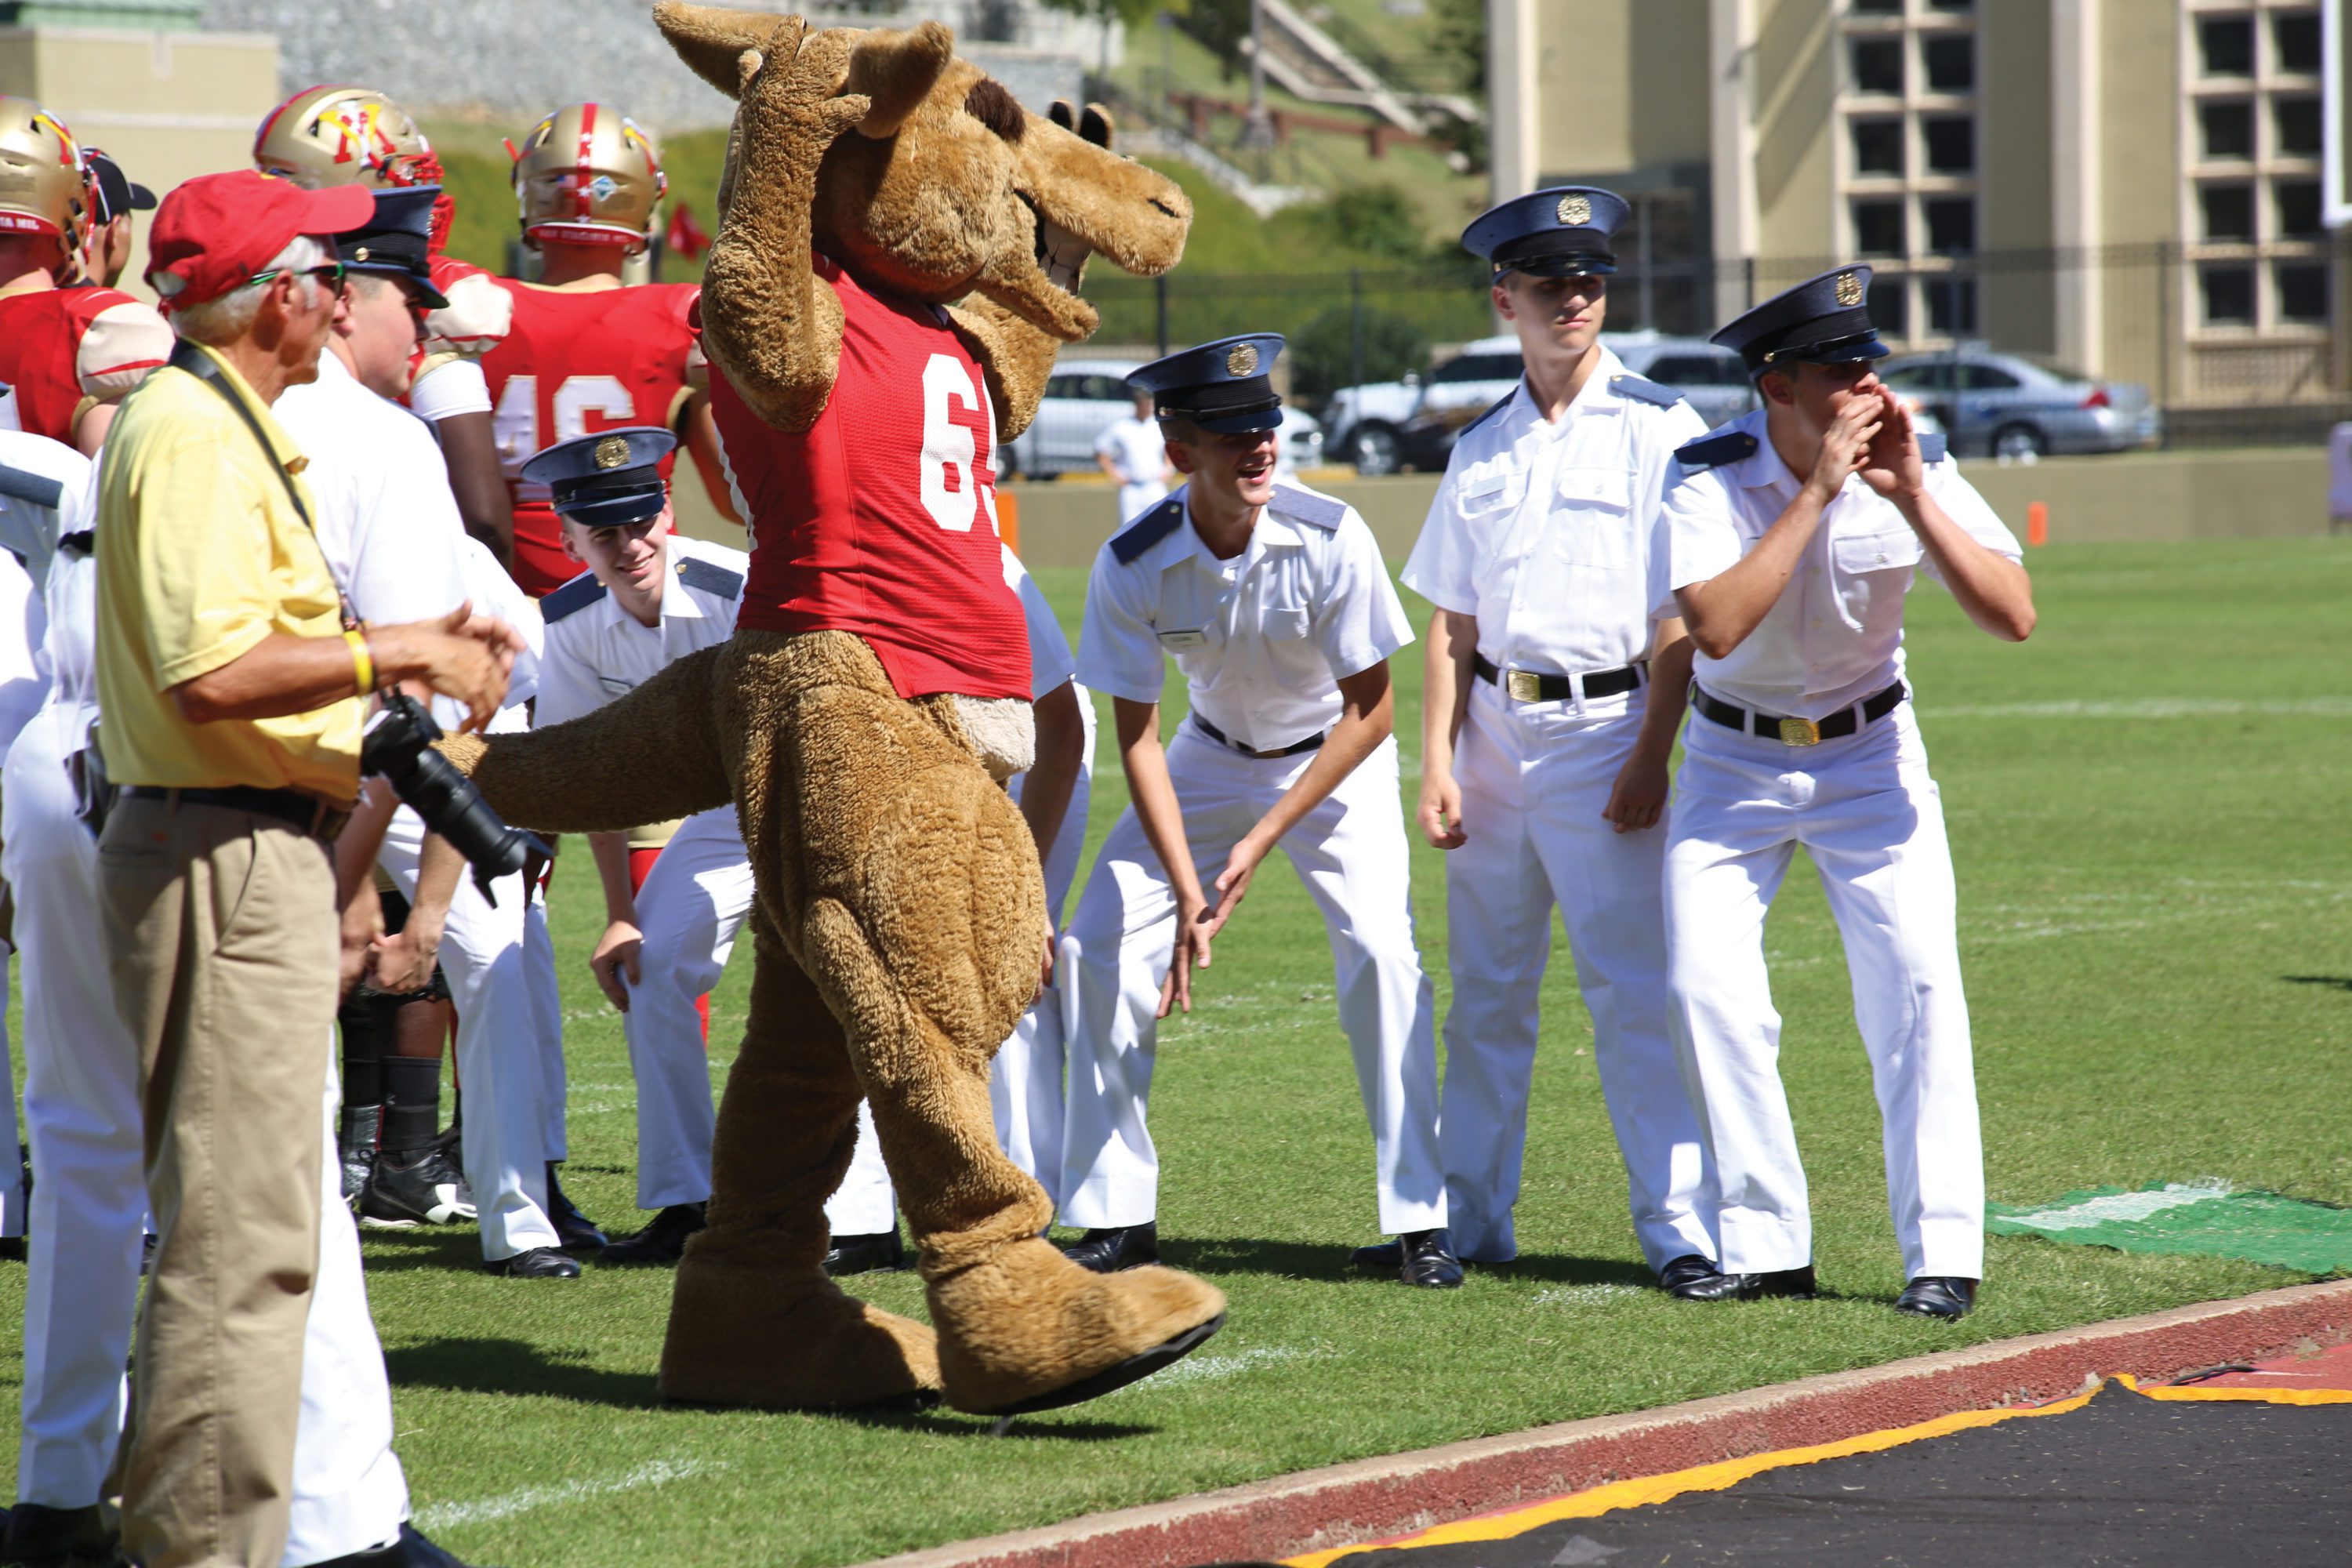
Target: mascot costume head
[(892, 222)]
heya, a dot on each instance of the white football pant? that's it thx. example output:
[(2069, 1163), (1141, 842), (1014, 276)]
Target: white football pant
[(547, 1025), (1865, 810), (1351, 853), (1535, 778)]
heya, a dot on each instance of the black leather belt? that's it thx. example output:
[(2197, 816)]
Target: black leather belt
[(1533, 686), (312, 813), (1221, 738), (1799, 732)]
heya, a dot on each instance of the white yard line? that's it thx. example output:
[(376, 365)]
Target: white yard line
[(2149, 707), (486, 1510)]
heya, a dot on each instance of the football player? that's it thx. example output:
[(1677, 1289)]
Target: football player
[(70, 354), (588, 352)]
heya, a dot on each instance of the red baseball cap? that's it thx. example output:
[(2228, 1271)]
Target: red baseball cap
[(214, 232)]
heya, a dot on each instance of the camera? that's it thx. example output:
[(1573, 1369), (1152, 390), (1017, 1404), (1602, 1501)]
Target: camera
[(399, 748)]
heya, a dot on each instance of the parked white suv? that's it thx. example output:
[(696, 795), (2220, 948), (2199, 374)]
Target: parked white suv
[(1083, 396)]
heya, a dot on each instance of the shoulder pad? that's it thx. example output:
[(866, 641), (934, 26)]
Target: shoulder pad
[(39, 489), (1147, 530), (1492, 409), (711, 577), (573, 597), (1714, 451), (1323, 511), (1932, 449), (1644, 390)]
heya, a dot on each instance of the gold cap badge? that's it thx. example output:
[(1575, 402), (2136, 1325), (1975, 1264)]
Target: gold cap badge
[(360, 254), (613, 452), (1849, 287), (1575, 208), (1242, 359)]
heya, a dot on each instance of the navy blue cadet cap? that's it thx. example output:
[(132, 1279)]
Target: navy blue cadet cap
[(606, 479), (396, 242), (1823, 321), (1225, 386), (1561, 232)]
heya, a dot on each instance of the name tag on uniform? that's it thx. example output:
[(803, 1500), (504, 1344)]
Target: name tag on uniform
[(1197, 638)]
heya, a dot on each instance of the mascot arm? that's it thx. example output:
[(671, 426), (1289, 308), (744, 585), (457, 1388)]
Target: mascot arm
[(769, 322)]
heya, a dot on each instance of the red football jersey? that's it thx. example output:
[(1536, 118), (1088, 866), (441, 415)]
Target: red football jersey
[(572, 364), (881, 519), (60, 345)]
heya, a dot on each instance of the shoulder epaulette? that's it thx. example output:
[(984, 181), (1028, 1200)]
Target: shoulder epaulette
[(1492, 409), (1323, 511), (1714, 451), (1645, 389), (1147, 530), (1932, 449), (571, 598), (711, 577), (39, 489)]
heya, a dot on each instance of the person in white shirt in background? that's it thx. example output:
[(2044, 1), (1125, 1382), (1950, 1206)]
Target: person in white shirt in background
[(1135, 455)]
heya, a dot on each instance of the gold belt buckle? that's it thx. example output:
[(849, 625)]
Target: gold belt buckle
[(1800, 733), (1524, 685)]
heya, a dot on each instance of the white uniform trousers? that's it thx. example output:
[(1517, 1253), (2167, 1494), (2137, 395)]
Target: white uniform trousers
[(1535, 778), (547, 1026), (1024, 1080), (1864, 808), (12, 1172), (1351, 853), (499, 1060)]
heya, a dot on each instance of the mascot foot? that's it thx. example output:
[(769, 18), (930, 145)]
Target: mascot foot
[(747, 1336), (1029, 1330)]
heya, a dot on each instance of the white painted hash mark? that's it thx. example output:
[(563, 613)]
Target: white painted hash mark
[(653, 1473), (1581, 1295), (2121, 1208), (1209, 1368)]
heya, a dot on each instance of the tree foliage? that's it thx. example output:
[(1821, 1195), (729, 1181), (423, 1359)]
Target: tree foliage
[(1323, 353)]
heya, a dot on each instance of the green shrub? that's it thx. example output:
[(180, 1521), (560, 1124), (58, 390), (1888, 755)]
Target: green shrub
[(1323, 354)]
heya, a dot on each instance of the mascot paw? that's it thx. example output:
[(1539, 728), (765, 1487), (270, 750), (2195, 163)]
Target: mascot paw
[(1029, 1330), (746, 1337)]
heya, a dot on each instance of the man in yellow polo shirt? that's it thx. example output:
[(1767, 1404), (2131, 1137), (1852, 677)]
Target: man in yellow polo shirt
[(231, 692)]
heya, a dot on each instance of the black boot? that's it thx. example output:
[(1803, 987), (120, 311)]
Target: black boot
[(37, 1534), (661, 1242), (356, 1135), (572, 1228), (880, 1252), (1121, 1246)]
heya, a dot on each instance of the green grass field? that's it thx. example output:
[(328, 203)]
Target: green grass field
[(2143, 801)]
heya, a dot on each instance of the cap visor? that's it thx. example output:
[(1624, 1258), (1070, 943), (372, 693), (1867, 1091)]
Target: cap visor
[(1241, 423), (420, 289), (1560, 266), (337, 209), (1850, 354), (617, 512), (141, 200)]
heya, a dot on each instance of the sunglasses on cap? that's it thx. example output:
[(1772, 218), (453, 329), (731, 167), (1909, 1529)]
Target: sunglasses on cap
[(331, 273)]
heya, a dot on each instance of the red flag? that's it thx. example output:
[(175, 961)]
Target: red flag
[(685, 236)]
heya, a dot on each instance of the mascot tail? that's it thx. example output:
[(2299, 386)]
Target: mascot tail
[(651, 756)]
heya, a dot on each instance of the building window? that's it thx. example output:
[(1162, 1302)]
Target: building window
[(2225, 45), (1878, 7), (1887, 302), (1878, 66), (2295, 42), (2229, 212), (2226, 129), (1952, 144), (1951, 4), (1878, 147), (2229, 295), (1878, 226), (1951, 305), (1949, 62), (2296, 122), (2295, 204), (1952, 224), (1909, 184), (2254, 130), (2302, 289)]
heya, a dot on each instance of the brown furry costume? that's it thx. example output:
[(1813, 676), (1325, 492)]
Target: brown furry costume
[(901, 908)]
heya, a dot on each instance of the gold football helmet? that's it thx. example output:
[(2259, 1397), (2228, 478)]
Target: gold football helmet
[(44, 186), (343, 136), (587, 175)]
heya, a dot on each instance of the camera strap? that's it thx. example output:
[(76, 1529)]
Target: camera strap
[(187, 356)]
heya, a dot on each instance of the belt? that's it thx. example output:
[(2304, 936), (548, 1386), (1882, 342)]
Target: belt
[(1221, 738), (1531, 686), (1800, 731), (314, 815)]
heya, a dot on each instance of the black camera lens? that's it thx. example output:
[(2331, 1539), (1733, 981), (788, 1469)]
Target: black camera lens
[(400, 751)]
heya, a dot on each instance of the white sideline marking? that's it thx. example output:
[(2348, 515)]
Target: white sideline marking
[(2149, 707), (2121, 1206), (1585, 1295), (1209, 1368), (653, 1473)]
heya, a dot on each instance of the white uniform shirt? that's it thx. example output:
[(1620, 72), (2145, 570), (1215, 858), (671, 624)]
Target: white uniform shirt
[(1263, 640), (1543, 531), (597, 651), (1051, 663), (1137, 449), (1836, 635), (37, 651)]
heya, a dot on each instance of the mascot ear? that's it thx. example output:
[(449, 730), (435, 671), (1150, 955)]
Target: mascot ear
[(1060, 115), (1095, 125), (898, 71), (712, 41)]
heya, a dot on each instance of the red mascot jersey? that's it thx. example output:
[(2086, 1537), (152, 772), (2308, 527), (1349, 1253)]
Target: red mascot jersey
[(572, 364), (60, 345), (881, 519)]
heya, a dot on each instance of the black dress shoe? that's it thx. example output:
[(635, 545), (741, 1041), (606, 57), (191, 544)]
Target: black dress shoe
[(1380, 1258), (1690, 1269), (536, 1263), (13, 1249), (1944, 1296), (572, 1228), (878, 1253), (1428, 1260), (1712, 1287), (662, 1241), (1121, 1246), (36, 1533), (412, 1550)]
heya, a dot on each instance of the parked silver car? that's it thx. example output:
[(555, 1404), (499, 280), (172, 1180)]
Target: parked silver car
[(2000, 405), (1083, 396)]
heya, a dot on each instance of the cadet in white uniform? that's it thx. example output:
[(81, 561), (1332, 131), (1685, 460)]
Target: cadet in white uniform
[(1548, 717), (24, 684), (1275, 604), (1132, 452), (1791, 536)]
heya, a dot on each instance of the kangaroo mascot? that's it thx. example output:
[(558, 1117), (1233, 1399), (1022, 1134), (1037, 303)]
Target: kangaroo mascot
[(891, 221)]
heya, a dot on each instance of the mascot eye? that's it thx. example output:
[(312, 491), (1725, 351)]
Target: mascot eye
[(990, 103)]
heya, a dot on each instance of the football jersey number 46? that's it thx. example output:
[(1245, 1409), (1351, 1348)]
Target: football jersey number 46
[(950, 450), (516, 421)]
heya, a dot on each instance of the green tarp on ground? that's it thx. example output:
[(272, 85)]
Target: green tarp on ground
[(2203, 1218)]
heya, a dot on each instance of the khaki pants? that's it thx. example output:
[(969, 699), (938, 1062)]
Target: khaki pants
[(221, 939)]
